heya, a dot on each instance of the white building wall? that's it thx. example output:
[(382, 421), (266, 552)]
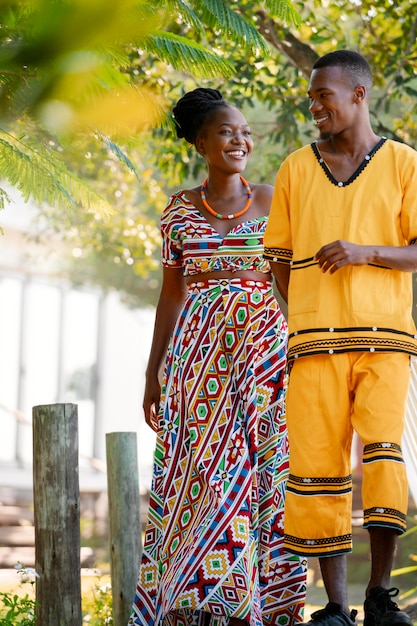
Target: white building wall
[(59, 344)]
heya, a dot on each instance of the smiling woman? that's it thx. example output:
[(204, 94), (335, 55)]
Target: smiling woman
[(213, 552)]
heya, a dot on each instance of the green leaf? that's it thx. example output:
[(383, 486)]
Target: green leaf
[(285, 11), (186, 13), (187, 55), (37, 174), (217, 15), (5, 199), (115, 149)]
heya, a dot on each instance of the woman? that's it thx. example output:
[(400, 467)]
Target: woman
[(213, 545)]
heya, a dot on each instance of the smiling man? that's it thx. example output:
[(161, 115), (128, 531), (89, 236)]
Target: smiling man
[(340, 239)]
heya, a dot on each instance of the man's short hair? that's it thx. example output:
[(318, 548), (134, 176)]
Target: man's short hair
[(353, 64)]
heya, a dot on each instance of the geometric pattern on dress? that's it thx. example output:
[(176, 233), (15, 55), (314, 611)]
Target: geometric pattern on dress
[(190, 242), (214, 538)]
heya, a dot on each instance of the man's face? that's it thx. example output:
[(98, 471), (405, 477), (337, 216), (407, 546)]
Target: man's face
[(333, 101)]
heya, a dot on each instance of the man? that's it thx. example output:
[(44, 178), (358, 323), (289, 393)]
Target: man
[(340, 239)]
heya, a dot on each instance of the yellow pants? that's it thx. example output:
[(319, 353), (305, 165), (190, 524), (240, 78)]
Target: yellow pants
[(330, 396)]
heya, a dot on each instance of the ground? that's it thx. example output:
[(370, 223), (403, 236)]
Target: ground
[(317, 599)]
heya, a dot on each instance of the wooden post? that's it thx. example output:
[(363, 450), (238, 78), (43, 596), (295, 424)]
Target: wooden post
[(124, 521), (57, 515)]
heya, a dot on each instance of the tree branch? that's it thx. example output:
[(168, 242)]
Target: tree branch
[(299, 54), (303, 57)]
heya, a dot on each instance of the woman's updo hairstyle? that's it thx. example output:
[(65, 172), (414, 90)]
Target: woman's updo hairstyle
[(193, 109)]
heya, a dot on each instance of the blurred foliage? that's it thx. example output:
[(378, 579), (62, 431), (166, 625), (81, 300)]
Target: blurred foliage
[(135, 174), (64, 66), (121, 251), (99, 610), (16, 608), (64, 62), (272, 91), (117, 252), (407, 548)]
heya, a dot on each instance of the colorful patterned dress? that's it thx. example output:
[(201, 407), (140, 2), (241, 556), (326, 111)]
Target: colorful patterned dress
[(213, 543)]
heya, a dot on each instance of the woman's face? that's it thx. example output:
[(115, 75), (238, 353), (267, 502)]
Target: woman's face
[(225, 140)]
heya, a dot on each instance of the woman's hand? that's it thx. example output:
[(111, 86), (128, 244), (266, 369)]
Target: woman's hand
[(171, 298), (151, 401)]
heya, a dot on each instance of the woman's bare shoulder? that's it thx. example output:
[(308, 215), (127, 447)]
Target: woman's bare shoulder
[(192, 195), (262, 189)]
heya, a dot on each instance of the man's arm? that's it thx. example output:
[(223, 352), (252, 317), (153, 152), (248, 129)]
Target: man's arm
[(337, 254)]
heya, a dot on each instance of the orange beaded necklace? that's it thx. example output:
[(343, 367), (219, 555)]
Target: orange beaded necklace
[(230, 216)]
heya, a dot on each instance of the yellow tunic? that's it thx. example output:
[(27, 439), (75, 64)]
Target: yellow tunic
[(356, 308)]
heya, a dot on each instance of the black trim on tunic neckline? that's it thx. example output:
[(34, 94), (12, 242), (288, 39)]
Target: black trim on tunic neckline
[(356, 173)]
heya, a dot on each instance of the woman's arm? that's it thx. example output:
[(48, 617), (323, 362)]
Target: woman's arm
[(171, 299), (281, 272)]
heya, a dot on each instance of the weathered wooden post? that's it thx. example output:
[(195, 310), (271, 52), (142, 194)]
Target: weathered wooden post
[(124, 521), (57, 515)]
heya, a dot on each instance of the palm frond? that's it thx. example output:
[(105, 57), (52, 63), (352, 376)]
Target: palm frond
[(184, 12), (187, 55), (38, 174), (9, 80), (5, 199), (119, 57), (118, 152), (217, 15), (285, 11)]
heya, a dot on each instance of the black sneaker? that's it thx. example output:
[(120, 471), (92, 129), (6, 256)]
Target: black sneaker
[(332, 615), (380, 610)]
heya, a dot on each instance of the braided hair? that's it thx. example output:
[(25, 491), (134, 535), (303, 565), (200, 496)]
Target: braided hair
[(193, 109)]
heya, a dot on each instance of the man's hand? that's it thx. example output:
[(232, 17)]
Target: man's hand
[(337, 254)]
